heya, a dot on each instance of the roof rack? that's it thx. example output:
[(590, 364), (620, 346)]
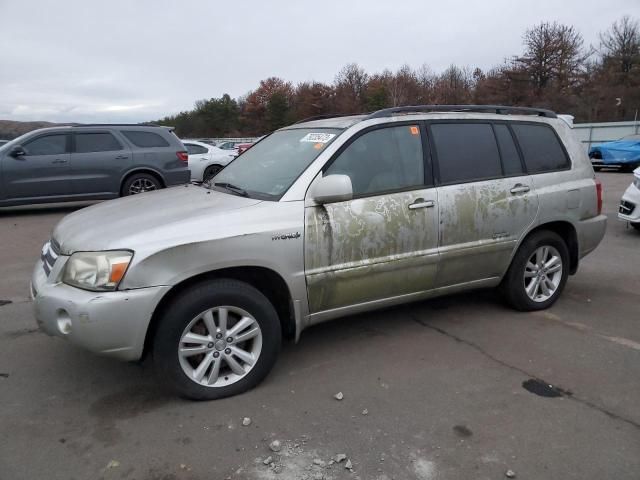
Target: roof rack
[(116, 125), (327, 115), (497, 109)]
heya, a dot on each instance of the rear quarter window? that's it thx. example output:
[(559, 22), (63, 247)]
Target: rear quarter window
[(466, 152), (145, 139), (541, 148)]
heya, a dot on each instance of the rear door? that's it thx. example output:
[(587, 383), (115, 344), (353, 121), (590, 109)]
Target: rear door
[(487, 201), (42, 172), (98, 160)]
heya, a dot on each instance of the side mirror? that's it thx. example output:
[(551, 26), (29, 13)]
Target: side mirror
[(17, 151), (332, 188)]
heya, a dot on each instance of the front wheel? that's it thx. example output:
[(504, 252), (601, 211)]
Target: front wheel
[(538, 272), (636, 226), (217, 339)]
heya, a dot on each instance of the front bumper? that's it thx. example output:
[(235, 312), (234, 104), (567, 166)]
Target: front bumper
[(107, 323), (629, 209)]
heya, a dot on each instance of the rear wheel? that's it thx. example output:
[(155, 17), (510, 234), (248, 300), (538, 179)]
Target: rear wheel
[(210, 172), (636, 226), (538, 272), (219, 338), (140, 183)]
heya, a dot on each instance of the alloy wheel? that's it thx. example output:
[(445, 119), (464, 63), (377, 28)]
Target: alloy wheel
[(141, 185), (220, 346), (543, 273)]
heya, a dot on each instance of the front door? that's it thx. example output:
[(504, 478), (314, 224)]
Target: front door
[(486, 200), (42, 172), (382, 243)]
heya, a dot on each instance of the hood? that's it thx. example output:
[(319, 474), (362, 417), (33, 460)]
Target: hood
[(128, 222)]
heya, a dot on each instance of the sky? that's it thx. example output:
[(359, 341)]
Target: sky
[(131, 61)]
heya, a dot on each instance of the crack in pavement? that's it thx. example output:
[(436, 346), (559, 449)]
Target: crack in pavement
[(478, 348)]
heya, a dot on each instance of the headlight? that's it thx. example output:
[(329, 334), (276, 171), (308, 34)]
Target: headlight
[(636, 182), (97, 271)]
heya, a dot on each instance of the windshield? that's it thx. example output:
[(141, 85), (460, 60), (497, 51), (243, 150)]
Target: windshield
[(270, 167)]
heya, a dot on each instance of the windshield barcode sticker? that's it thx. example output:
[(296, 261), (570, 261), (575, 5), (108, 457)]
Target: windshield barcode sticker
[(318, 137)]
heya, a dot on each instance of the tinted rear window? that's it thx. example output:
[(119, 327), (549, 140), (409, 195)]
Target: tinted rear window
[(96, 142), (145, 139), (508, 152), (466, 152), (541, 148)]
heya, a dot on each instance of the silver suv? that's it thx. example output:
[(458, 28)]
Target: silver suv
[(319, 220), (90, 162)]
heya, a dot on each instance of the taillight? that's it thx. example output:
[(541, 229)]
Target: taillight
[(182, 156), (599, 194)]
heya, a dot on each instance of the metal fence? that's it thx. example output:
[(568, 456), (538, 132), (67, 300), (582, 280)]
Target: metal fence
[(591, 134)]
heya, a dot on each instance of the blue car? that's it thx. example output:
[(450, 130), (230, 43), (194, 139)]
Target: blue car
[(623, 154)]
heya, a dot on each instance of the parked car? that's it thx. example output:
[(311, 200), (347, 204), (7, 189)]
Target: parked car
[(243, 147), (320, 220), (229, 146), (90, 162), (629, 209), (623, 154), (205, 160)]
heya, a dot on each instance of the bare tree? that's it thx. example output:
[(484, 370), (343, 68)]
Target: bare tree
[(553, 53), (621, 44)]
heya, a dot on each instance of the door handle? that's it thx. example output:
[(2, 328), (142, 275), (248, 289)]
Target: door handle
[(421, 203), (59, 160), (519, 188), (121, 157)]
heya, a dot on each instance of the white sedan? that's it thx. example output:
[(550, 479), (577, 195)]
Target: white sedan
[(205, 160), (629, 209)]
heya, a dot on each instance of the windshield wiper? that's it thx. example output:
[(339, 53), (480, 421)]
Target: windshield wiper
[(237, 190)]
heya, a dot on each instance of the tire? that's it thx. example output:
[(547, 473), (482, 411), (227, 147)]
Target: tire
[(636, 226), (186, 316), (140, 183), (514, 283), (210, 172), (597, 168)]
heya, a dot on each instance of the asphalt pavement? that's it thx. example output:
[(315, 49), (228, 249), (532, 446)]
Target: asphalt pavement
[(458, 387)]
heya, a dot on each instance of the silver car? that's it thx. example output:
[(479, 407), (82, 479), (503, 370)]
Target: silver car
[(320, 220)]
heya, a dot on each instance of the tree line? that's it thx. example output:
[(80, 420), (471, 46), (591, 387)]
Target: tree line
[(555, 70)]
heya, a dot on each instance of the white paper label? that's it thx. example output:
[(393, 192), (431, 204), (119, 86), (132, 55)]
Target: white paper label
[(318, 137)]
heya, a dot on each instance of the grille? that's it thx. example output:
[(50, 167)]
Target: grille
[(49, 255), (626, 208)]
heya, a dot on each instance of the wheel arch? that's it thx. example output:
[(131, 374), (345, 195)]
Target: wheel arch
[(147, 170), (267, 281), (569, 234)]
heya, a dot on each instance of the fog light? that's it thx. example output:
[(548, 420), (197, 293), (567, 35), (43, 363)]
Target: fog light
[(64, 322)]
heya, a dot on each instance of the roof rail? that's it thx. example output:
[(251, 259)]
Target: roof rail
[(498, 109), (116, 125), (327, 115)]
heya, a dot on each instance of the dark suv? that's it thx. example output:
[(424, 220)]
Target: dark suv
[(90, 162)]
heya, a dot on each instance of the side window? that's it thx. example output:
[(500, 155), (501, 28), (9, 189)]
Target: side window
[(96, 142), (466, 152), (540, 147), (382, 160), (47, 145), (193, 149), (145, 139), (511, 163)]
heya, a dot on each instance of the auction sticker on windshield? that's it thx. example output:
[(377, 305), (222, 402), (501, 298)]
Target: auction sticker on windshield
[(318, 137)]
